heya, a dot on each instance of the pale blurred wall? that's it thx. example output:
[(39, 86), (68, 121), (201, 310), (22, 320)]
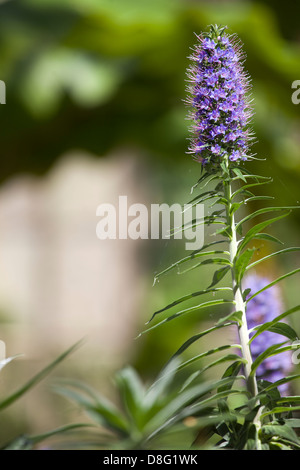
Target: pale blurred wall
[(58, 282)]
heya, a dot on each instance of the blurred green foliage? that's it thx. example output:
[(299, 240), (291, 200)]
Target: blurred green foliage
[(105, 73)]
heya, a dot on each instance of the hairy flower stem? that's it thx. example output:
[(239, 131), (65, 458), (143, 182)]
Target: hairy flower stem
[(238, 297)]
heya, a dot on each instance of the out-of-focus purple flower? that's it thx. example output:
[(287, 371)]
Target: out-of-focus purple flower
[(220, 108), (261, 309)]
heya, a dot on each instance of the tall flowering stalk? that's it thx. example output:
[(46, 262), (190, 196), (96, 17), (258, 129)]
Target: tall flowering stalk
[(220, 110), (220, 113)]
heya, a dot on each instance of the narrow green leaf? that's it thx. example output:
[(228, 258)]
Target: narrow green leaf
[(279, 382), (274, 322), (285, 330), (37, 378), (156, 391), (249, 175), (241, 263), (250, 235), (208, 353), (239, 174), (187, 397), (246, 292), (226, 231), (252, 438), (284, 276), (57, 431), (208, 220), (203, 197), (101, 410), (232, 317), (269, 352), (195, 338), (220, 261), (194, 255), (267, 237), (188, 297), (132, 392), (220, 200), (20, 443), (189, 310), (257, 198), (231, 371), (292, 422), (247, 186), (280, 431), (219, 275), (264, 210), (289, 399), (277, 327), (285, 250), (200, 180), (235, 206), (221, 360)]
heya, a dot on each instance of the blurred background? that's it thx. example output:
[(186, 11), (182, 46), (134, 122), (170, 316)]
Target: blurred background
[(94, 109)]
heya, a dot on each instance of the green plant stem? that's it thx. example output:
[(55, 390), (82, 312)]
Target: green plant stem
[(238, 297)]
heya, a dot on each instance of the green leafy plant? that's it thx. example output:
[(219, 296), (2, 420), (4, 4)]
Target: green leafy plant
[(25, 442), (263, 419), (162, 415), (237, 410)]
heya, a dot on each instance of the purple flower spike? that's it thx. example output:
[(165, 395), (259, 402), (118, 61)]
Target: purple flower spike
[(261, 309), (218, 99)]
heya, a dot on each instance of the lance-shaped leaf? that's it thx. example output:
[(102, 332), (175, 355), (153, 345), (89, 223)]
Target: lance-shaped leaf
[(265, 258), (264, 210), (235, 317), (197, 337), (219, 275), (269, 352), (207, 195), (187, 397), (194, 255), (212, 219), (257, 198), (132, 392), (202, 178), (205, 354), (280, 409), (273, 324), (247, 186), (284, 276), (36, 379), (241, 263), (101, 410), (232, 371), (251, 234), (277, 384), (188, 297), (221, 360), (267, 237), (207, 304), (220, 261), (280, 431)]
